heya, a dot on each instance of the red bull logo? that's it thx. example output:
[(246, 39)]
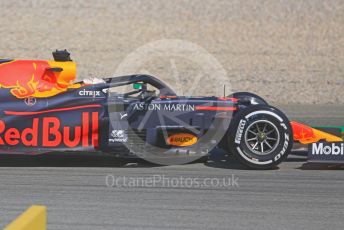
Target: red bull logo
[(48, 132), (30, 78)]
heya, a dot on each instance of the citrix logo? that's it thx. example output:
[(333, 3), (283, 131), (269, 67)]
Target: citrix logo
[(332, 149), (85, 92)]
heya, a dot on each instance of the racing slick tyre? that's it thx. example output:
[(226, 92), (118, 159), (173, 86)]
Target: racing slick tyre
[(252, 98), (260, 137)]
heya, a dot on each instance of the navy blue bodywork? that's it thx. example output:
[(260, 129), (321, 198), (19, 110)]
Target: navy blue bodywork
[(93, 118)]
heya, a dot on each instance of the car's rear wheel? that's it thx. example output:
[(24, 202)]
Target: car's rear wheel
[(260, 136)]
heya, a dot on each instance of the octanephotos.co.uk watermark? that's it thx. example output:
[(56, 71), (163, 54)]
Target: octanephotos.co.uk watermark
[(114, 181)]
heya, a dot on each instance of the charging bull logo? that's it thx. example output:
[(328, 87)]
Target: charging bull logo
[(27, 78)]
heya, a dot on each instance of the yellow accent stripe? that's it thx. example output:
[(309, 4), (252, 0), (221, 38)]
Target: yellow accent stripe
[(75, 86), (327, 136), (34, 218)]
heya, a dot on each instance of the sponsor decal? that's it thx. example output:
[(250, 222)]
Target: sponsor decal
[(48, 132), (30, 101), (326, 151), (181, 139), (118, 135), (92, 93), (240, 131), (165, 107)]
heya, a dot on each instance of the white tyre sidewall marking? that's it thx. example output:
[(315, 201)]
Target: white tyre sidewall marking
[(253, 161), (264, 112)]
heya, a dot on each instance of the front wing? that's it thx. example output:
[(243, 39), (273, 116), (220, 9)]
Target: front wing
[(323, 147)]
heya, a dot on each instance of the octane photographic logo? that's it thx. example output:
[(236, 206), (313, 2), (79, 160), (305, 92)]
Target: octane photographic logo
[(190, 71)]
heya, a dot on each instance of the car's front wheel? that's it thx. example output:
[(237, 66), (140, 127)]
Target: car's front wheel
[(260, 136)]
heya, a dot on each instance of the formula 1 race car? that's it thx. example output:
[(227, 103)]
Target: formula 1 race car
[(43, 110)]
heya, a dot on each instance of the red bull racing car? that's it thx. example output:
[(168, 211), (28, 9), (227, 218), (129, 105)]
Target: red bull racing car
[(43, 110)]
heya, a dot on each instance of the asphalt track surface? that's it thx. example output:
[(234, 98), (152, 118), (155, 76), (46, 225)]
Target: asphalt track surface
[(297, 195)]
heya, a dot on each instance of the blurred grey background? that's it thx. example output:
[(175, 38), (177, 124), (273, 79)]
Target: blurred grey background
[(287, 51)]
